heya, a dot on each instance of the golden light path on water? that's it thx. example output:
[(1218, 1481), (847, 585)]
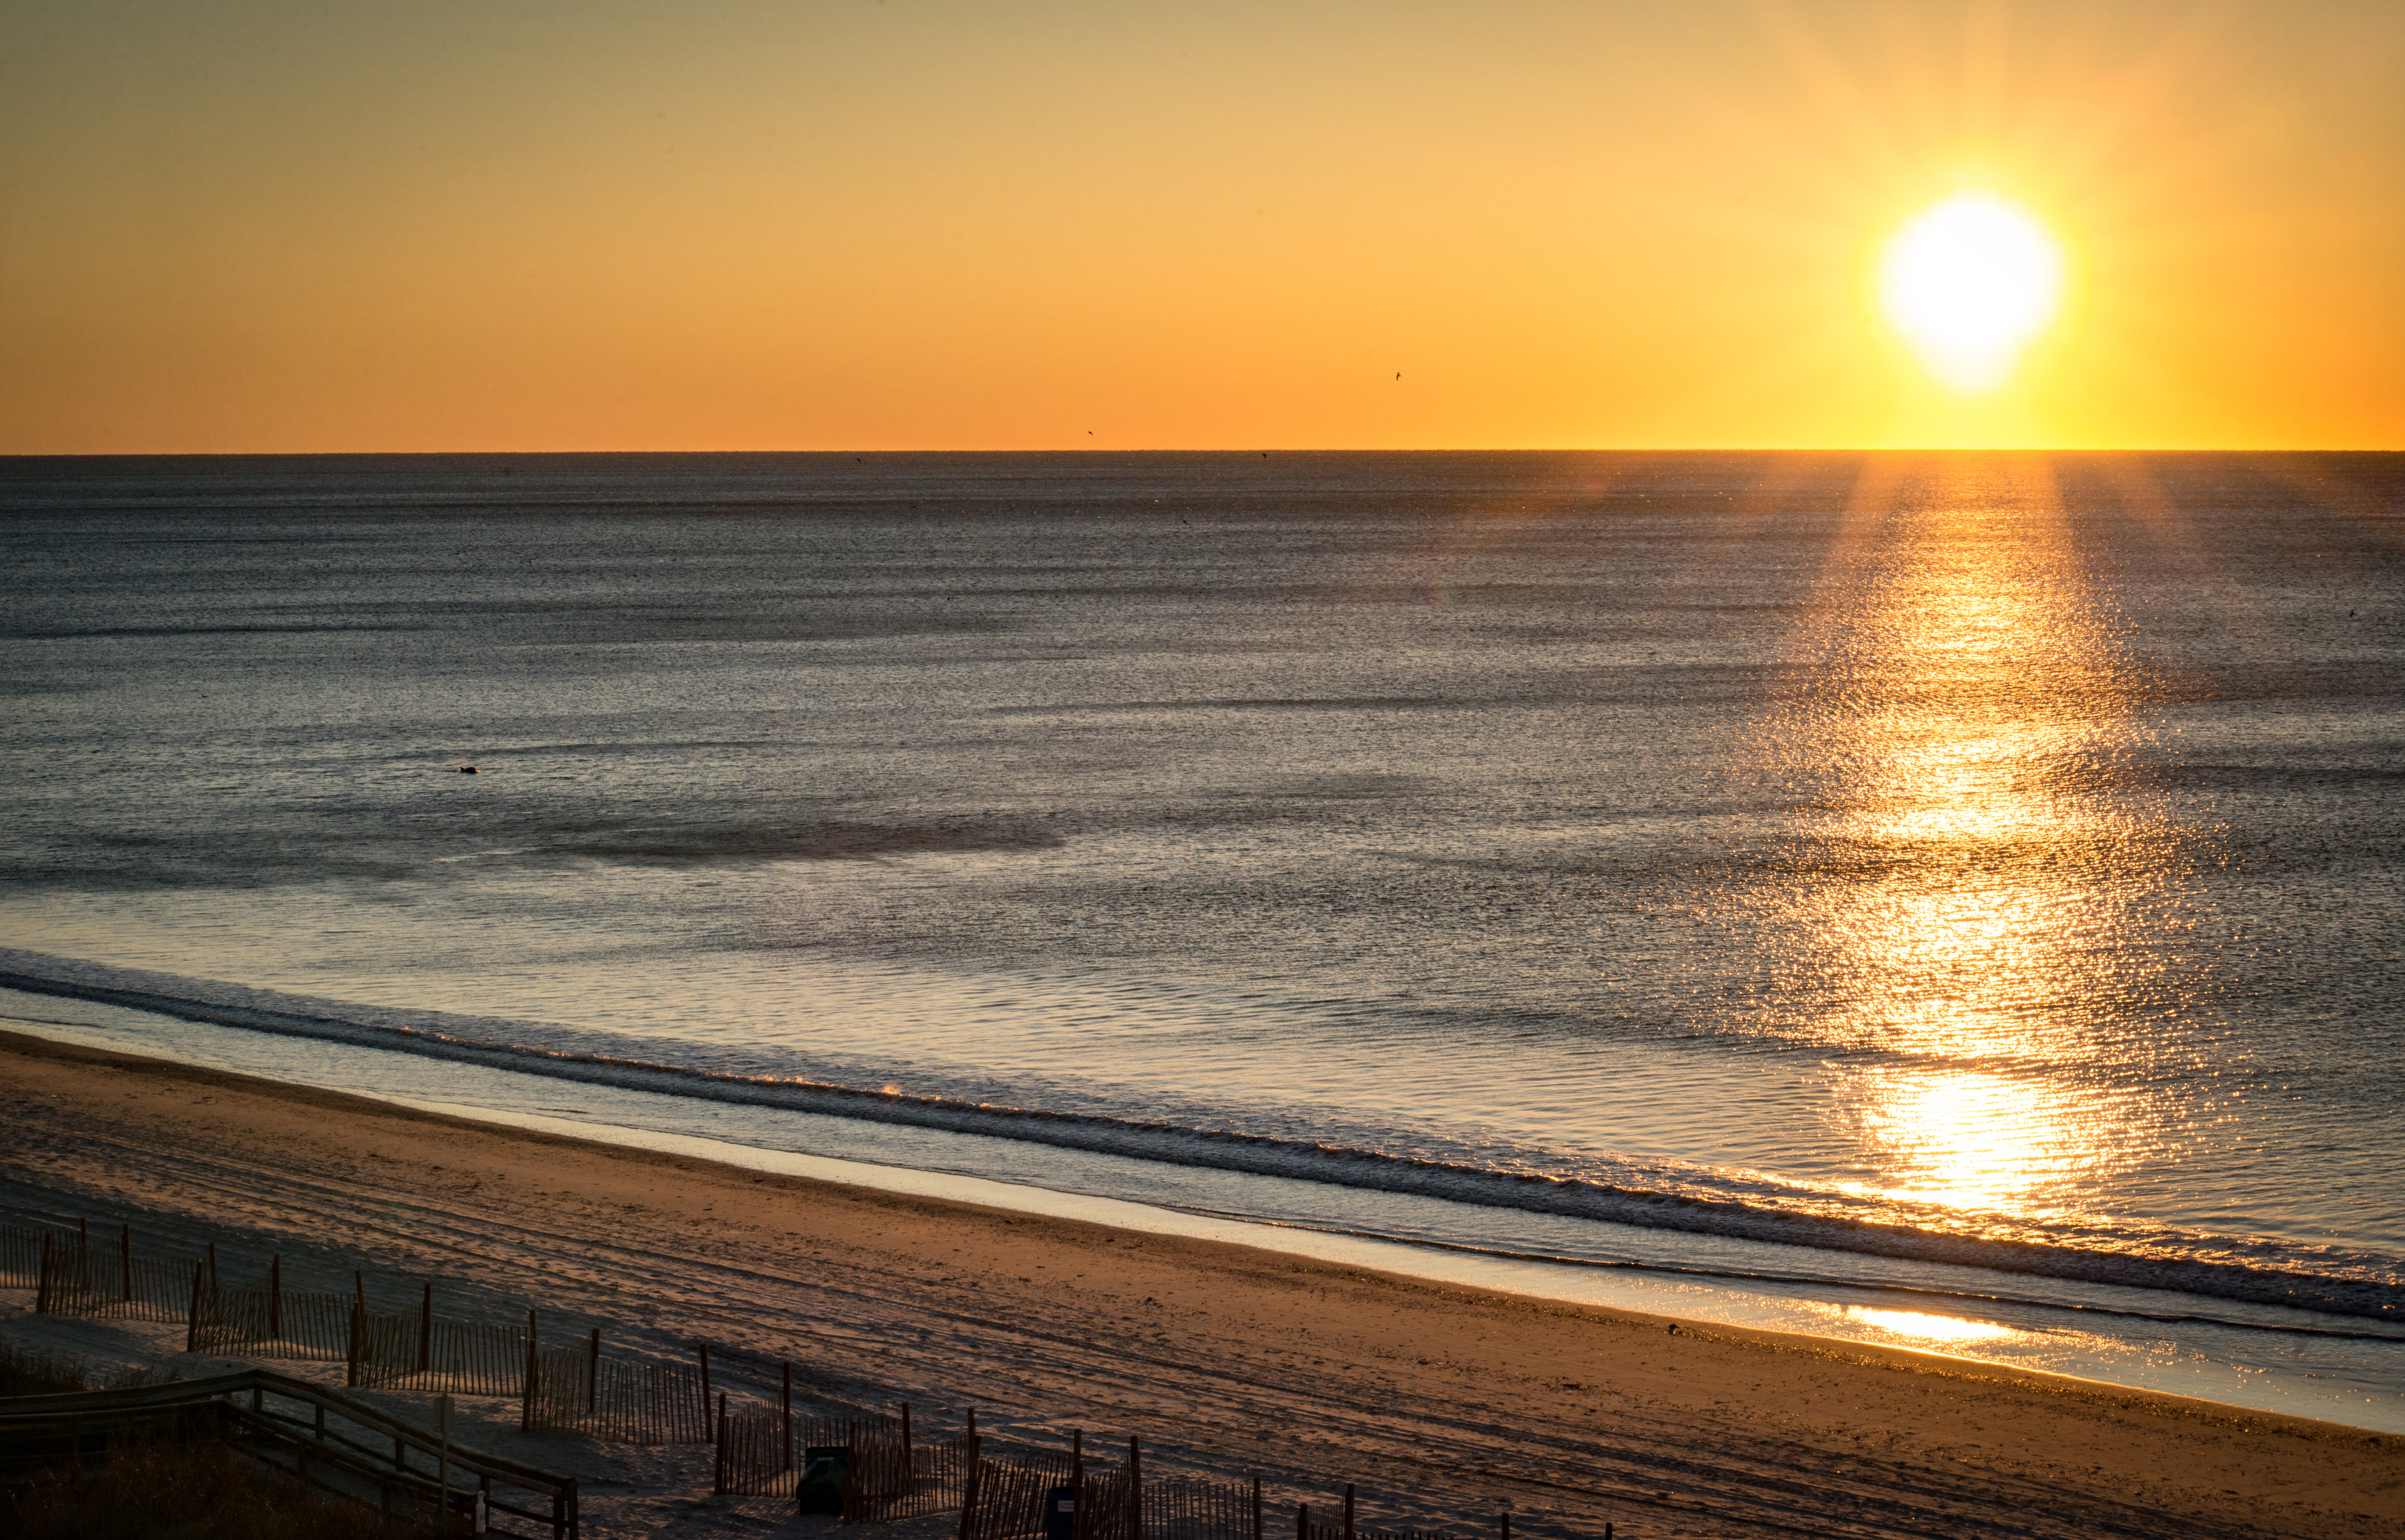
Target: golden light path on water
[(1980, 895), (1920, 1326)]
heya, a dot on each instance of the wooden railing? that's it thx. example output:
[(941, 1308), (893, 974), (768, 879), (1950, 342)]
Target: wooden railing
[(391, 1465)]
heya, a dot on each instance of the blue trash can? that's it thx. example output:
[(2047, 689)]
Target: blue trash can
[(1060, 1514)]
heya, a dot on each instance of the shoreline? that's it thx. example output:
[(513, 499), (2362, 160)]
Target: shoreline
[(2073, 1269), (1217, 1353), (2214, 1350)]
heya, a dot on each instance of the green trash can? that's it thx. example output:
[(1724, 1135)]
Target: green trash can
[(821, 1488)]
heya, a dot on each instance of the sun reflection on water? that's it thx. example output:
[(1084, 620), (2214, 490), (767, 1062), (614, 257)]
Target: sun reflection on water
[(1969, 886), (1968, 1138), (1928, 1328)]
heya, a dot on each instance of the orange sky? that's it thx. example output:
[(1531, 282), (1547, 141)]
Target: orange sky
[(889, 224)]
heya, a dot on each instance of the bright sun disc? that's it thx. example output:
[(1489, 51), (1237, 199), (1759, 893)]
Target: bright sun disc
[(1968, 282)]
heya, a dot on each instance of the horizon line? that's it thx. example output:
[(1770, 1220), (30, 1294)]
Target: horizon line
[(1096, 450)]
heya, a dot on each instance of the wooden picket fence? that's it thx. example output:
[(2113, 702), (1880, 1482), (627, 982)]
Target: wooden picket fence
[(269, 1320), (885, 1474), (1107, 1504), (1340, 1526), (418, 1350), (756, 1448), (1005, 1497), (888, 1474), (756, 1451), (73, 1277), (386, 1350), (1006, 1500), (575, 1390), (888, 1479), (1192, 1508), (409, 1349), (21, 1256)]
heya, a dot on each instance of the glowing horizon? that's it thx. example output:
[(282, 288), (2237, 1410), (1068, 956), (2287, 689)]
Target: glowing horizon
[(938, 226)]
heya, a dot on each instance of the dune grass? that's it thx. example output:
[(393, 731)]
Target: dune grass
[(205, 1491), (31, 1371), (189, 1493), (169, 1491)]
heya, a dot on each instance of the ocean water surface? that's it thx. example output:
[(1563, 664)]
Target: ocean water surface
[(1952, 898)]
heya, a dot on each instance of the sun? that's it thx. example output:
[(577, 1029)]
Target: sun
[(1969, 282)]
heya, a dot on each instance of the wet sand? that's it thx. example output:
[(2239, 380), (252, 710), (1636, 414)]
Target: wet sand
[(1444, 1404)]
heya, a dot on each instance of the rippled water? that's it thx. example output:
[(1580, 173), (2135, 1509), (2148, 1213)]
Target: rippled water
[(1986, 860)]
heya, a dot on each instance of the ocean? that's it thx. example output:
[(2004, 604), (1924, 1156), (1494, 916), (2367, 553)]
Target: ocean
[(1947, 899)]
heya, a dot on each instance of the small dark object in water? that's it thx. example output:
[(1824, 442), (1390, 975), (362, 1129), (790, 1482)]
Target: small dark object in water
[(467, 769)]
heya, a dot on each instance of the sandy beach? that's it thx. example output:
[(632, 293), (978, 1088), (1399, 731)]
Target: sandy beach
[(1445, 1404)]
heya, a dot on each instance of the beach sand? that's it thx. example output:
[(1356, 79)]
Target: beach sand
[(1445, 1403)]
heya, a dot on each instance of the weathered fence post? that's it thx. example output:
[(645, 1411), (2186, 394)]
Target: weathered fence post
[(1507, 1524), (426, 1331), (359, 1325), (526, 1410), (788, 1414), (969, 1484), (193, 1321), (1135, 1489), (1257, 1506), (718, 1459), (1348, 1510), (1077, 1457), (1302, 1521), (703, 1349), (276, 1297)]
